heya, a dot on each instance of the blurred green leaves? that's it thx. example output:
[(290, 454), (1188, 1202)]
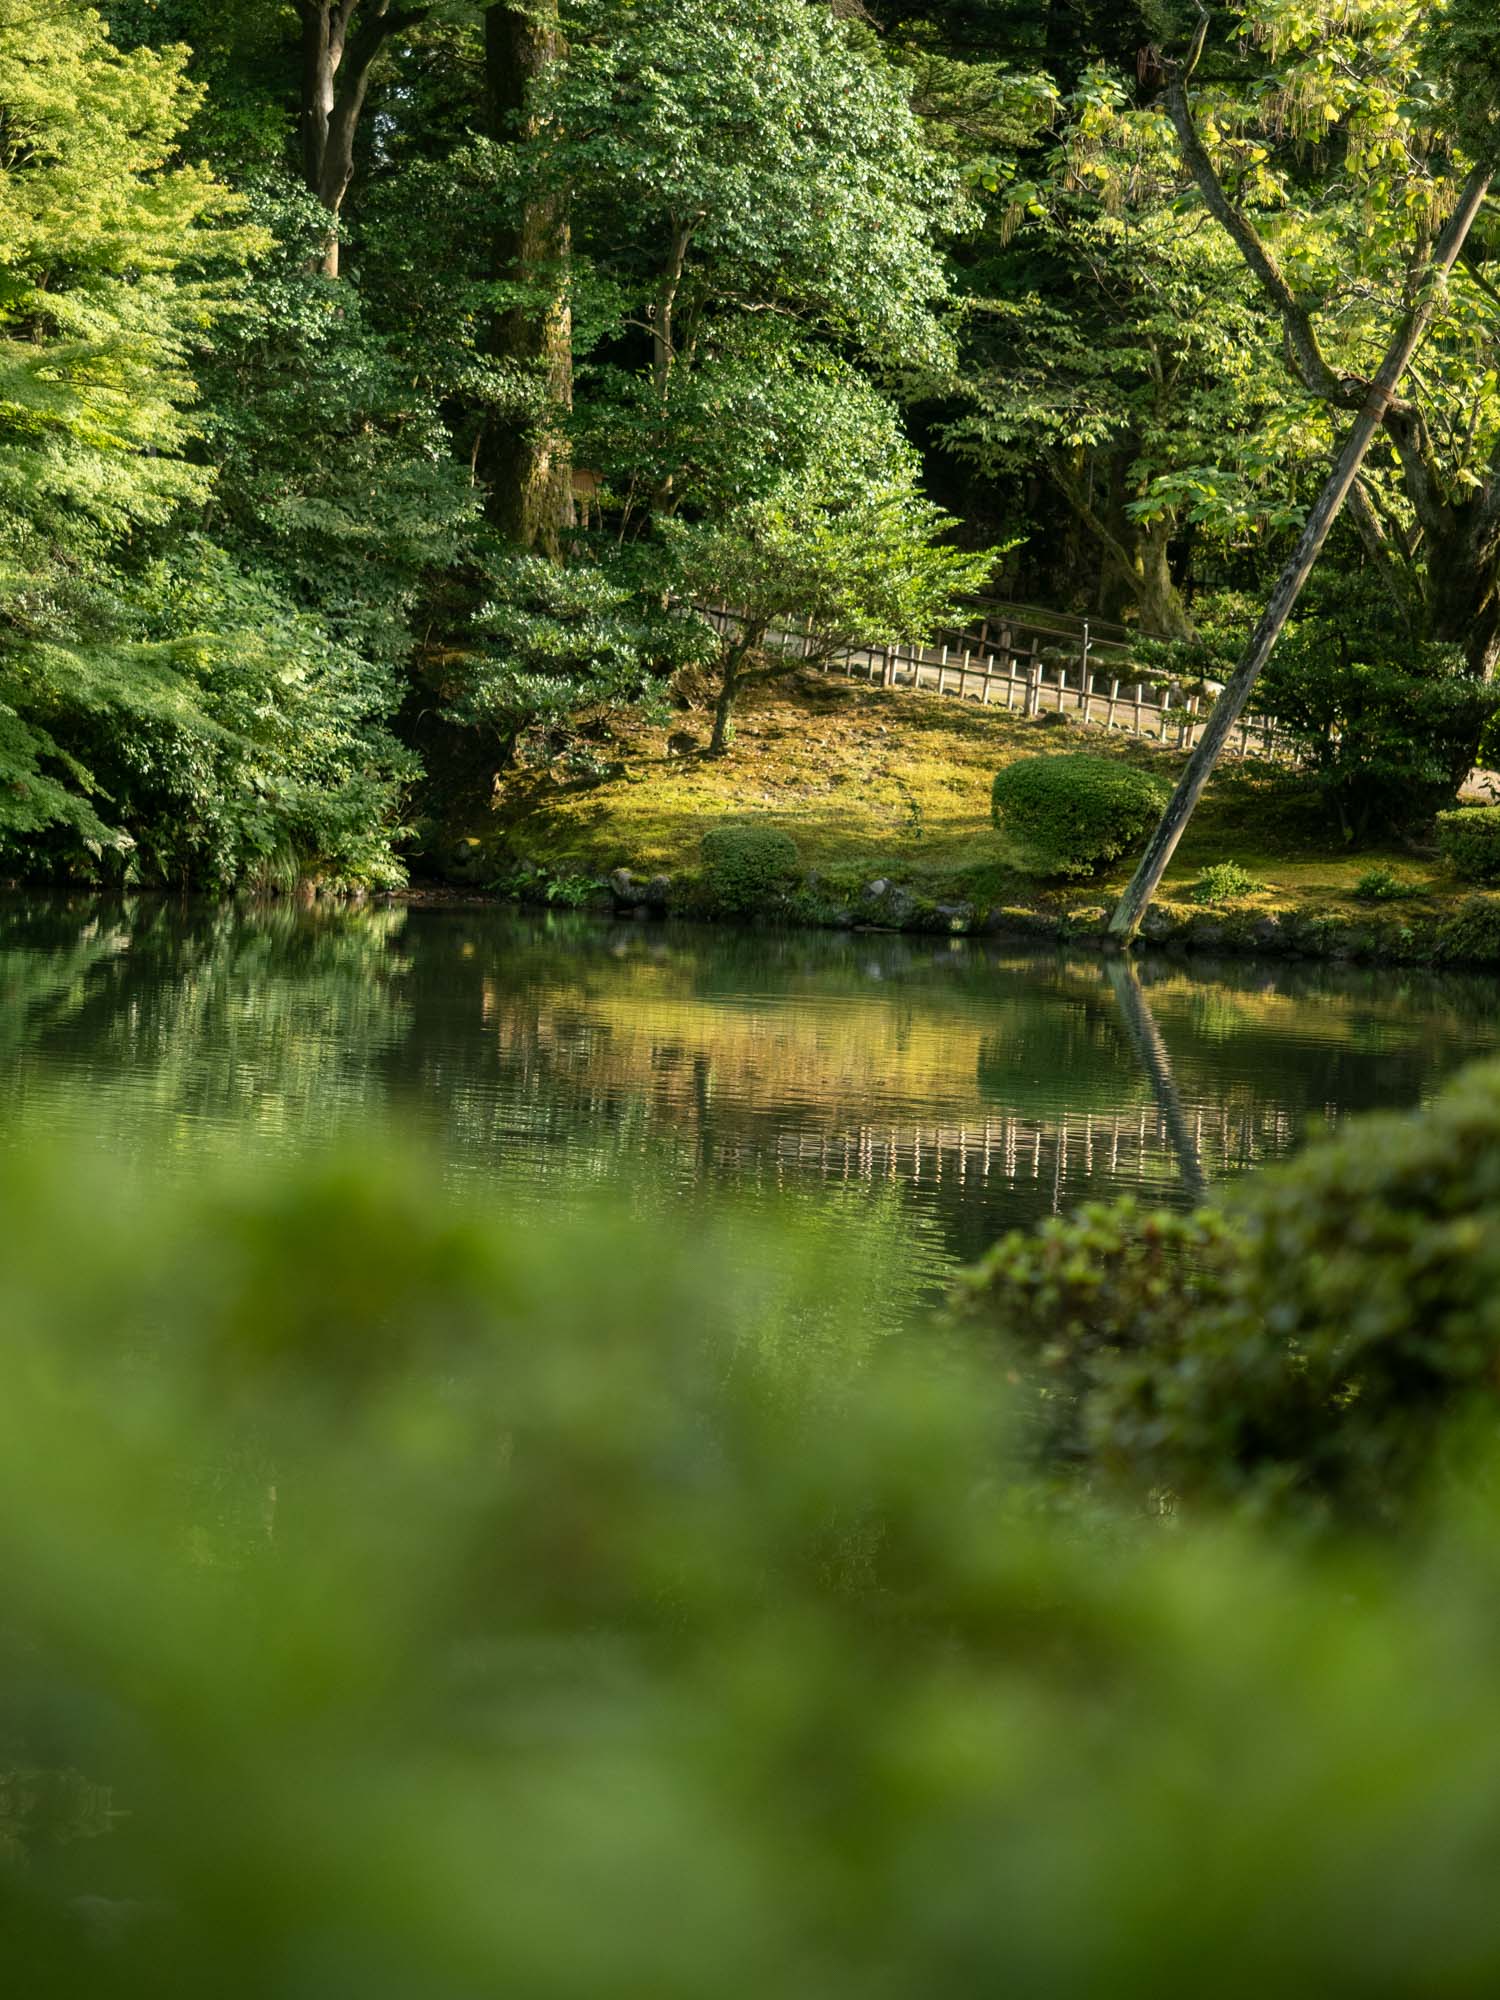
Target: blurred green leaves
[(428, 1604)]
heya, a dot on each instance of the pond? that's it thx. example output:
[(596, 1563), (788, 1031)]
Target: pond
[(930, 1091)]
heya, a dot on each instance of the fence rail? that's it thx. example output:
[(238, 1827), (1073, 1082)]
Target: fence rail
[(1011, 661)]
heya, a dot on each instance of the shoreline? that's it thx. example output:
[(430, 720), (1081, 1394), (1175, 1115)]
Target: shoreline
[(1465, 935)]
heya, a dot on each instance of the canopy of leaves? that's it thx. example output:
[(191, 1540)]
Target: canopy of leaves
[(169, 710), (763, 157)]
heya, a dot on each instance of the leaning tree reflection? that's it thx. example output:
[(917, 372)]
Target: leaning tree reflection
[(967, 1087)]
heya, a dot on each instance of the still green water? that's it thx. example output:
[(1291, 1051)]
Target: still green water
[(928, 1092)]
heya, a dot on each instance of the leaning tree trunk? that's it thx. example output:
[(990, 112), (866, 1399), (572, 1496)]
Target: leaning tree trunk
[(1126, 920), (525, 455)]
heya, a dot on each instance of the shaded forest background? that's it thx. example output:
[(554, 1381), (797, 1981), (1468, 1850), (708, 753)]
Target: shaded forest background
[(378, 378)]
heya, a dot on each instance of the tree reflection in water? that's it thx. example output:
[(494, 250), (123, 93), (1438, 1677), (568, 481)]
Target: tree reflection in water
[(972, 1085)]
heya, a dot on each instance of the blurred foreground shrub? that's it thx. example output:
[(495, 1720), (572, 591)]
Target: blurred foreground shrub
[(1308, 1349), (399, 1602), (1074, 1296)]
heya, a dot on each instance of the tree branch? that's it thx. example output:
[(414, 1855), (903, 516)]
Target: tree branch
[(1091, 520), (1312, 369)]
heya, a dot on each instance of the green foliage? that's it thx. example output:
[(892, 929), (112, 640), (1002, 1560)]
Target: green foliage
[(570, 892), (1364, 1317), (1304, 1352), (1068, 815), (1384, 885), (1072, 1296), (1472, 934), (830, 529), (765, 157), (334, 469), (1470, 842), (1390, 727), (748, 868), (390, 1579), (1119, 354), (1464, 47), (168, 711), (555, 643)]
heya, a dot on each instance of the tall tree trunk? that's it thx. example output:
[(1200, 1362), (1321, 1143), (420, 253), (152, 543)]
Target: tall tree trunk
[(1463, 581), (1136, 553), (1163, 612), (525, 457), (340, 42)]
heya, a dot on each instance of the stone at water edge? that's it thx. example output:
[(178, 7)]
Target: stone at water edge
[(631, 893)]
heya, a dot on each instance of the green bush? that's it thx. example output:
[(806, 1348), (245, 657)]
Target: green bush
[(1225, 882), (1471, 935), (1071, 1296), (1384, 885), (1388, 729), (1308, 1352), (1069, 815), (1470, 842), (748, 868)]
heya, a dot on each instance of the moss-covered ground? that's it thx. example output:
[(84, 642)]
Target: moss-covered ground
[(875, 783)]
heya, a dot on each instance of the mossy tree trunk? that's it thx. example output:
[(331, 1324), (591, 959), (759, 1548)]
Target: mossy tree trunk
[(1137, 555)]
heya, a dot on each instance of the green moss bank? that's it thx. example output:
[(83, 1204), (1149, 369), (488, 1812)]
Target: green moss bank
[(886, 796)]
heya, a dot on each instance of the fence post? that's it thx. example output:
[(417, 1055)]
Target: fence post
[(1166, 703), (888, 672), (1109, 713), (1083, 687), (1138, 692), (1033, 701)]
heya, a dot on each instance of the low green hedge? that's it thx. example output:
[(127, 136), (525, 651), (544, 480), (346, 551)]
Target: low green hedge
[(747, 867), (1470, 841), (1071, 814)]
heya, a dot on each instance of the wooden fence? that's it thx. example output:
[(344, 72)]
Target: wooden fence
[(1031, 669)]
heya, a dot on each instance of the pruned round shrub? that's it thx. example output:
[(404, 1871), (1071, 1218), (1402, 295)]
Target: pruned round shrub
[(747, 867), (1470, 842), (1069, 815)]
